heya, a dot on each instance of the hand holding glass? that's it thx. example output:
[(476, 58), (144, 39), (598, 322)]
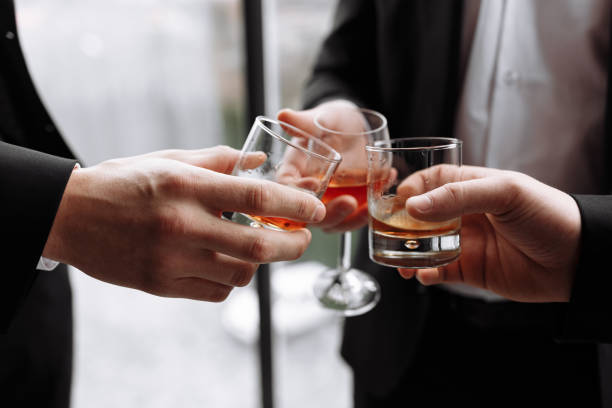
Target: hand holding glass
[(395, 238), (282, 153), (349, 130)]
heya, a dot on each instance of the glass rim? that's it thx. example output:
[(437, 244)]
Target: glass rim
[(260, 119), (362, 110), (445, 144)]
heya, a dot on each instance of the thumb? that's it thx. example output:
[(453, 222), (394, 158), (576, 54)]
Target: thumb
[(492, 195), (303, 120)]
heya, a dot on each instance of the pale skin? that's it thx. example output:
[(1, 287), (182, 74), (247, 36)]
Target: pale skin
[(153, 223), (519, 237)]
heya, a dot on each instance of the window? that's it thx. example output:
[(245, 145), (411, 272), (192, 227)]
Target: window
[(125, 77)]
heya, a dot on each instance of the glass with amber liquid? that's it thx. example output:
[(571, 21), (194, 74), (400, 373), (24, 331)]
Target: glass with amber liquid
[(284, 154), (395, 238), (349, 130), (349, 183)]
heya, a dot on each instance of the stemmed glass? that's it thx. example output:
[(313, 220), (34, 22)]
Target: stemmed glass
[(349, 130)]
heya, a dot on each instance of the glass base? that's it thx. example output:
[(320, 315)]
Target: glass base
[(352, 293), (411, 252)]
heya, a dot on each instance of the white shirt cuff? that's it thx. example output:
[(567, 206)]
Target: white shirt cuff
[(45, 264)]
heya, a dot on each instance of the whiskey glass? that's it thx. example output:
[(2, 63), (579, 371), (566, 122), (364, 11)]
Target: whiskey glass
[(395, 238), (284, 154)]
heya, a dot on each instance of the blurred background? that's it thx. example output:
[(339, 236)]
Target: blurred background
[(124, 77)]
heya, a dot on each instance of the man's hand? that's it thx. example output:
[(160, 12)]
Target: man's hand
[(519, 237), (343, 213), (153, 223)]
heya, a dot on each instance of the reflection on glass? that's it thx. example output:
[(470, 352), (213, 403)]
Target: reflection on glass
[(279, 152), (396, 238)]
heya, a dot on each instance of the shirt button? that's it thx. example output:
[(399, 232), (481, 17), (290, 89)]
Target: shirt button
[(9, 35), (49, 128), (510, 77)]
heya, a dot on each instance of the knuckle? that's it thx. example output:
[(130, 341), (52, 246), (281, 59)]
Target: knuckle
[(256, 196), (452, 197), (167, 221), (453, 191), (425, 180), (218, 294), (516, 181), (303, 209), (167, 153), (243, 274), (301, 248), (153, 283), (449, 173), (513, 188), (512, 183), (439, 172), (224, 149), (228, 156), (461, 173), (259, 250), (172, 183)]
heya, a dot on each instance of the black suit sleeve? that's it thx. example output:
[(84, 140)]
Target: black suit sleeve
[(346, 66), (588, 316), (31, 188)]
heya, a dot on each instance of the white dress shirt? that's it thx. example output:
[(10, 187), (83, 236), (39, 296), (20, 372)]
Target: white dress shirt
[(534, 92)]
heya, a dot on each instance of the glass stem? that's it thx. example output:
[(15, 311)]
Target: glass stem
[(344, 255)]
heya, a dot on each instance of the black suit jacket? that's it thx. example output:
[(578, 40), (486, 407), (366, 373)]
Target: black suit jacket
[(401, 58), (31, 182), (395, 56)]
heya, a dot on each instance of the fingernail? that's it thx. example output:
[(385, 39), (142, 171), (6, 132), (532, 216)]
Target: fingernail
[(319, 213), (422, 203)]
